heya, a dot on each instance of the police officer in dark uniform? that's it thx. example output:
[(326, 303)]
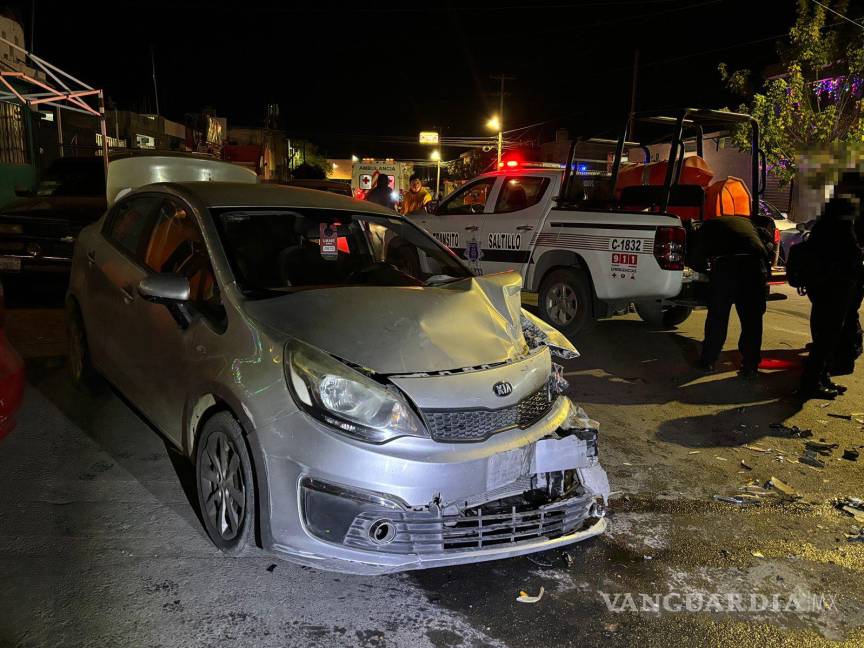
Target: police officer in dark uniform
[(851, 344), (731, 251), (837, 259)]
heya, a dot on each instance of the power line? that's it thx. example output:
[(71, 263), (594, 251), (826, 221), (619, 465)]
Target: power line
[(837, 13)]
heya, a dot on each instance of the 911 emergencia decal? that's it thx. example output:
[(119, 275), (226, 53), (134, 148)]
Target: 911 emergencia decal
[(624, 266)]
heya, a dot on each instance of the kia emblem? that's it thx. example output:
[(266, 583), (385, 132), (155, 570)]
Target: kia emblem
[(502, 389)]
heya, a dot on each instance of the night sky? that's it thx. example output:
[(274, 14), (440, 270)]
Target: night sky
[(345, 73)]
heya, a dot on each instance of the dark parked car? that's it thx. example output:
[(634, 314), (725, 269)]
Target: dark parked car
[(38, 230)]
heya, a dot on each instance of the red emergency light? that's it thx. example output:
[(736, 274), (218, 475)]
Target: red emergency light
[(510, 164)]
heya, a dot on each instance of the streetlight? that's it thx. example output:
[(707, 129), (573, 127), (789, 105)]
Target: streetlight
[(354, 158), (435, 156), (495, 124)]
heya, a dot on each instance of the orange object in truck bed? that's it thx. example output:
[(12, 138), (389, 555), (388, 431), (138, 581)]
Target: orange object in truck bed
[(695, 171), (728, 197)]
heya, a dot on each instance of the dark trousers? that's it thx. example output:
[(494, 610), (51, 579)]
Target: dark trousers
[(738, 280), (849, 348), (831, 302)]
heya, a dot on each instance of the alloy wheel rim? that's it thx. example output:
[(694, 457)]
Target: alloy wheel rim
[(562, 304), (222, 484)]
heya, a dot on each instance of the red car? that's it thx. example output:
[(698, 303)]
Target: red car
[(11, 377)]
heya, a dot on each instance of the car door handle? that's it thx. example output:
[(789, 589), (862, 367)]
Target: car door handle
[(472, 228), (525, 228), (128, 295)]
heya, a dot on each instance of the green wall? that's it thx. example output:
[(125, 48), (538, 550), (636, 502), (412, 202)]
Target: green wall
[(15, 175)]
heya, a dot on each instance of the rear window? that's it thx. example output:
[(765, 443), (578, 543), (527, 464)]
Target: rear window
[(520, 193)]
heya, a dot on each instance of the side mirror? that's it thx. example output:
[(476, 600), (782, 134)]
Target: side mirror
[(164, 288), (801, 227), (431, 207), (24, 192)]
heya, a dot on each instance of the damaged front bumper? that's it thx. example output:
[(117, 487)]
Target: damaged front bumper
[(415, 504)]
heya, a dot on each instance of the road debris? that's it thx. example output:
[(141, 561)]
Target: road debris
[(855, 535), (757, 448), (746, 465), (845, 417), (852, 506), (785, 490), (271, 567), (809, 457), (821, 446), (793, 432), (757, 554), (524, 597), (737, 500), (720, 458), (694, 452), (850, 454)]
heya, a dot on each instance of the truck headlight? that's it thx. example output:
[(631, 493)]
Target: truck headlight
[(351, 402)]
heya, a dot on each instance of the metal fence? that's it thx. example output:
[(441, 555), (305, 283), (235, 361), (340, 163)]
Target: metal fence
[(13, 135)]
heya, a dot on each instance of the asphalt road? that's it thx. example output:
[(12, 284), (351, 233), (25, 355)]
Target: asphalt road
[(100, 545)]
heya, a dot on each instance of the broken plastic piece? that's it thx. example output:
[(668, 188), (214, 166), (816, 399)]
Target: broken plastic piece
[(757, 554), (850, 454), (524, 597), (746, 465), (821, 447), (783, 488), (809, 458)]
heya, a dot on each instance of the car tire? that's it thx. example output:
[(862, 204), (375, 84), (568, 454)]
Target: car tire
[(225, 484), (566, 301), (660, 316), (84, 375)]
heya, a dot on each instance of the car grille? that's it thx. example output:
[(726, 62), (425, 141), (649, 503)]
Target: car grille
[(479, 424), (474, 528)]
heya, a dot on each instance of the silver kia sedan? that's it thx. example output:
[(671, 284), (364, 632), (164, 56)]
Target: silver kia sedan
[(350, 394)]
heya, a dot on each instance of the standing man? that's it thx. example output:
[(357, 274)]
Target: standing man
[(729, 249), (851, 343), (381, 194), (836, 257), (416, 198)]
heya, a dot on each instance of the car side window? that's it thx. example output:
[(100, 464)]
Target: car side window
[(520, 193), (177, 246), (470, 199), (130, 224)]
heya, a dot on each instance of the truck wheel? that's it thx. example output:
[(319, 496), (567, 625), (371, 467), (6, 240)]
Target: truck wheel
[(655, 314), (565, 301)]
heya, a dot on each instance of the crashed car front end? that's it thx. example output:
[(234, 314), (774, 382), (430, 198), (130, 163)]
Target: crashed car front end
[(491, 472)]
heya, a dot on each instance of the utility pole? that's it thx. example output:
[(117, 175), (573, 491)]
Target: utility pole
[(631, 126), (502, 78), (33, 26), (155, 87)]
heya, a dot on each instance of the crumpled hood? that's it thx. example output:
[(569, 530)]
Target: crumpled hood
[(394, 330)]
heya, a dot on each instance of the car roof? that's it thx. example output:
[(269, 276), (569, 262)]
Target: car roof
[(240, 194)]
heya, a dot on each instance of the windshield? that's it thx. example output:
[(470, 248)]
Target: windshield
[(275, 251)]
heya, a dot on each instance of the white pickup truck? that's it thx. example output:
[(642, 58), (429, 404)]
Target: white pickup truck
[(588, 244), (580, 264)]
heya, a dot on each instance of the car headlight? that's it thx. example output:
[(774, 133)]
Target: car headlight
[(346, 399)]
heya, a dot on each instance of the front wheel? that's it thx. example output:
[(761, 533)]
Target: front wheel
[(565, 301), (660, 316), (226, 491), (81, 370)]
